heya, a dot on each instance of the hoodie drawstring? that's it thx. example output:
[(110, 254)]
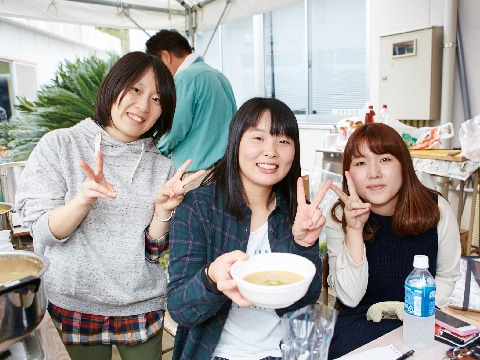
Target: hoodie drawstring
[(98, 140), (138, 162)]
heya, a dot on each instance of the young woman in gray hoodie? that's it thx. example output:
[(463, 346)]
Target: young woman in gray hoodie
[(98, 198)]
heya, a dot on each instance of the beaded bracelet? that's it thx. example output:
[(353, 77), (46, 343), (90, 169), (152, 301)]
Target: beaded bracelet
[(164, 220)]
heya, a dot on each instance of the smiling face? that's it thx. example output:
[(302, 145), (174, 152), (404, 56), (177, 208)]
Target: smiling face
[(137, 112), (377, 179), (264, 159)]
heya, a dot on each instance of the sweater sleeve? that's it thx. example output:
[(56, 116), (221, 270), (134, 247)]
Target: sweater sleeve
[(449, 252), (348, 279), (41, 189)]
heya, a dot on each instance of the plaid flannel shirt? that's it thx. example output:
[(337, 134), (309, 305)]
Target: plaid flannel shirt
[(201, 230)]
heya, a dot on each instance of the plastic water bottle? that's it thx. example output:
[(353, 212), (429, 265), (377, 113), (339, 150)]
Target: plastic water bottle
[(383, 115), (419, 309)]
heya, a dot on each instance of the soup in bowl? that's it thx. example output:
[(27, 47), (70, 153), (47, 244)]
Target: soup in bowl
[(273, 280)]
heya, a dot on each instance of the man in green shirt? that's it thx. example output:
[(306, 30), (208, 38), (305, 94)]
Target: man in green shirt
[(205, 105)]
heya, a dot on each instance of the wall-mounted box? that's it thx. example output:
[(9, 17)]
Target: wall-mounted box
[(411, 73)]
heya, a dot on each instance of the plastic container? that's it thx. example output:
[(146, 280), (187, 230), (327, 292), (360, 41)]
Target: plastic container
[(383, 115), (370, 115), (419, 309), (5, 240)]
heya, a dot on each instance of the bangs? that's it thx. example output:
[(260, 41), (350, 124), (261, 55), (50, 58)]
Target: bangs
[(378, 143), (281, 123), (278, 125)]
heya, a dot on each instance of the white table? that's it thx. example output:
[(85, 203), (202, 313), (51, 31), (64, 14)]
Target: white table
[(437, 352)]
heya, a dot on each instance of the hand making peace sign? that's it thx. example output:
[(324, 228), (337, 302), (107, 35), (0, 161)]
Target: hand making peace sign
[(309, 219), (170, 195), (356, 211)]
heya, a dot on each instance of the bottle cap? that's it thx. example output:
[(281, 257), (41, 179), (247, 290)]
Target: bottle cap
[(384, 106), (420, 261)]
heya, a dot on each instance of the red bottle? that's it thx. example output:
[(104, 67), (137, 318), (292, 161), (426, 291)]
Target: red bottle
[(370, 115)]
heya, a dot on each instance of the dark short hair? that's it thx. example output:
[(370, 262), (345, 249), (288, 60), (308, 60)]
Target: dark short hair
[(227, 173), (169, 40), (128, 70)]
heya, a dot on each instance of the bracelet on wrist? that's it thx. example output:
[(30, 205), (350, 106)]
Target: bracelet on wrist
[(164, 220), (208, 282)]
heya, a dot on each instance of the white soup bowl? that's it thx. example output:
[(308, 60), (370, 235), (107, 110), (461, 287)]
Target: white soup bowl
[(276, 296)]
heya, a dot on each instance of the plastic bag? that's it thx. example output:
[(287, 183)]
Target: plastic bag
[(348, 125), (468, 135), (345, 128), (428, 137), (307, 332), (422, 138)]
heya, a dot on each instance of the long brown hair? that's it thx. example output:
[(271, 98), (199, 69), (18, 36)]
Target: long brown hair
[(416, 210)]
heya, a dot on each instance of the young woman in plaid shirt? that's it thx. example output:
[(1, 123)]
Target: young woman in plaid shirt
[(253, 202)]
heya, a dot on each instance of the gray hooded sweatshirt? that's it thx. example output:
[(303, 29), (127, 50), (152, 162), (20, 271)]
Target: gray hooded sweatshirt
[(101, 267)]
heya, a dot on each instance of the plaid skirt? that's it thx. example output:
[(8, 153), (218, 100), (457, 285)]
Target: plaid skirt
[(88, 329)]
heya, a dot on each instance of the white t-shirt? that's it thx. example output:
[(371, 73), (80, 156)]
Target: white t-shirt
[(255, 332)]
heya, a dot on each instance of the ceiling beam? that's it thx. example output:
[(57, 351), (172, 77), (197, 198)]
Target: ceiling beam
[(203, 3), (124, 5)]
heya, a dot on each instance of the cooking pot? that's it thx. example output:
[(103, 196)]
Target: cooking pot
[(23, 299), (6, 216), (9, 177)]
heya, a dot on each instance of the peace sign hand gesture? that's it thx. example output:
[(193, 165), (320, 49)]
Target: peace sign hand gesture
[(356, 211), (95, 185), (309, 219), (171, 194)]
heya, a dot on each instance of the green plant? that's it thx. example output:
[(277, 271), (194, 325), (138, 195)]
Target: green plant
[(164, 261), (323, 244), (69, 99)]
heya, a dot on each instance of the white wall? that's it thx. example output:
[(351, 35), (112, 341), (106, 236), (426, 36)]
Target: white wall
[(47, 45), (396, 16)]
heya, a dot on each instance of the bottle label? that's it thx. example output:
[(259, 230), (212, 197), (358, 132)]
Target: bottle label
[(420, 301)]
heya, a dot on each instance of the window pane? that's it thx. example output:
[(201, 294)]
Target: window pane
[(238, 58), (209, 48), (234, 58), (338, 72), (318, 69), (285, 54)]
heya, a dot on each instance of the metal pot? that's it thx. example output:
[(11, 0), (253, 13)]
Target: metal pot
[(9, 176), (23, 300), (6, 216)]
